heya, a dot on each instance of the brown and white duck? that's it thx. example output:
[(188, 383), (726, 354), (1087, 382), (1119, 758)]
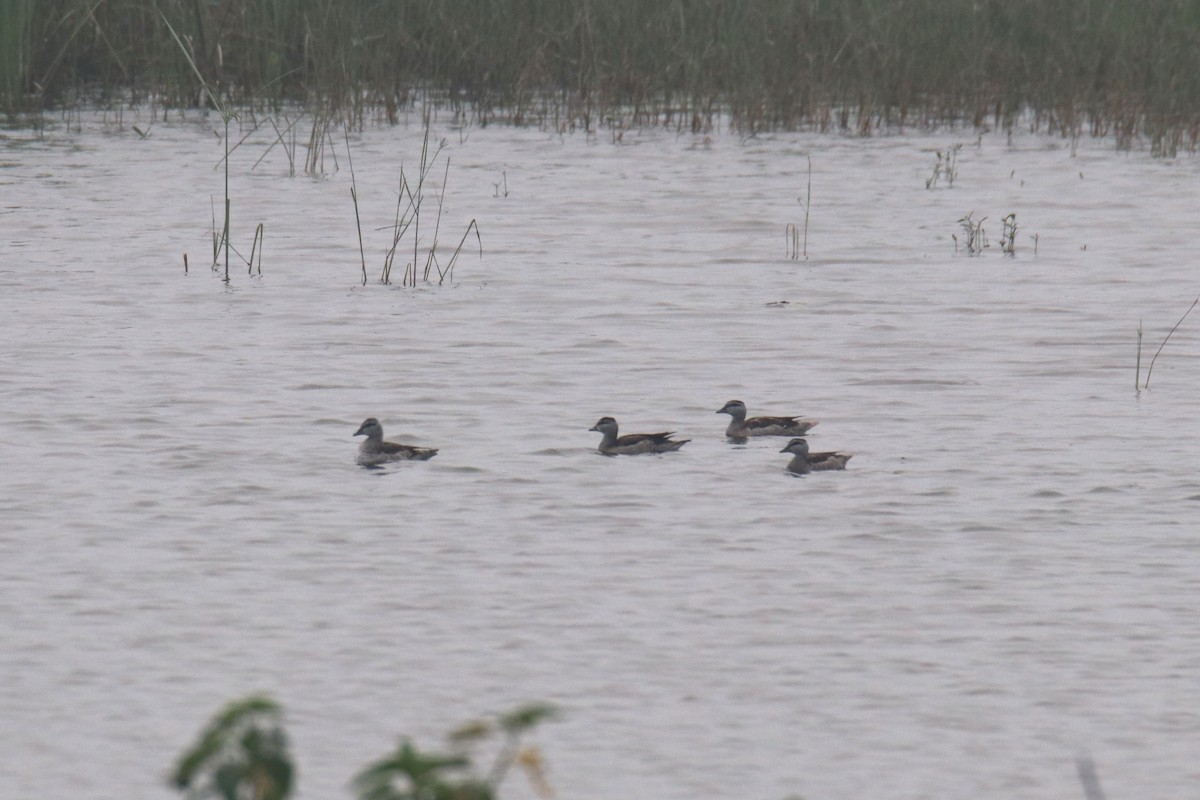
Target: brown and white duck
[(374, 451), (804, 462), (634, 443), (742, 428)]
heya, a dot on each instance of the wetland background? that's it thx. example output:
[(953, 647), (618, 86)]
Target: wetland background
[(1003, 580), (1100, 67)]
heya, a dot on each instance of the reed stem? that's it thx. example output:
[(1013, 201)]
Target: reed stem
[(1150, 369)]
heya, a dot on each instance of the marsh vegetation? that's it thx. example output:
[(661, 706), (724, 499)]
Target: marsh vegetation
[(1066, 67)]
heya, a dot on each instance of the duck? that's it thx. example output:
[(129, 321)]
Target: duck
[(804, 462), (375, 451), (634, 443), (741, 428)]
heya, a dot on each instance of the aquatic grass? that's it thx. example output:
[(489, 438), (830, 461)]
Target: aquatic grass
[(859, 66), (410, 201), (285, 139), (362, 254), (256, 247), (946, 167), (227, 115), (222, 242), (974, 236), (1008, 235), (320, 141), (798, 247)]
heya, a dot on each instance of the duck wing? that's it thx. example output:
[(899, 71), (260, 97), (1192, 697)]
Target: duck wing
[(779, 423), (397, 451), (830, 460), (631, 439)]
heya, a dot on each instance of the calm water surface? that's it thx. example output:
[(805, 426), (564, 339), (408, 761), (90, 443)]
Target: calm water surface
[(1005, 578)]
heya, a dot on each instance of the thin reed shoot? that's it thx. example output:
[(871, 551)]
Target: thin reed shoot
[(1171, 333), (797, 245), (354, 196), (1137, 374)]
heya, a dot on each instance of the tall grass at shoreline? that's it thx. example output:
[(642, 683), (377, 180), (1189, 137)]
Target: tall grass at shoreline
[(1119, 68)]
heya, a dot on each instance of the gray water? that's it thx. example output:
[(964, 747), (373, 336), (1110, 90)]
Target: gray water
[(1005, 578)]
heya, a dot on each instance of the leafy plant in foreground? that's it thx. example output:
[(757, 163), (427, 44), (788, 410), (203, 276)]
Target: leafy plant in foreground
[(241, 755), (409, 774)]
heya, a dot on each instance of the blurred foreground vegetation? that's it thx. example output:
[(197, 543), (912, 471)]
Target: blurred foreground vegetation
[(243, 755)]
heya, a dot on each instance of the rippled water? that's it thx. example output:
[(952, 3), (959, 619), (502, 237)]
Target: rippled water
[(1005, 578)]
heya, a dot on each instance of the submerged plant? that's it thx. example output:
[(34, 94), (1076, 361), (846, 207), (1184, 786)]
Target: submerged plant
[(1008, 236), (974, 236), (945, 167)]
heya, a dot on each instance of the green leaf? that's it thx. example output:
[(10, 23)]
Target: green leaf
[(471, 731), (228, 778), (241, 755), (527, 716), (193, 760)]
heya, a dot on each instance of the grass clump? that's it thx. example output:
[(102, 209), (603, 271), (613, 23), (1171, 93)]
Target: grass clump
[(411, 199), (221, 242)]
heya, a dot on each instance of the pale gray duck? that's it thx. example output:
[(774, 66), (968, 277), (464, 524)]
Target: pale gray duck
[(375, 451)]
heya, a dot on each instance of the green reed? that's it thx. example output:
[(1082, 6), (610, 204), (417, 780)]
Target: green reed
[(797, 246), (225, 109), (412, 201), (1112, 68)]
